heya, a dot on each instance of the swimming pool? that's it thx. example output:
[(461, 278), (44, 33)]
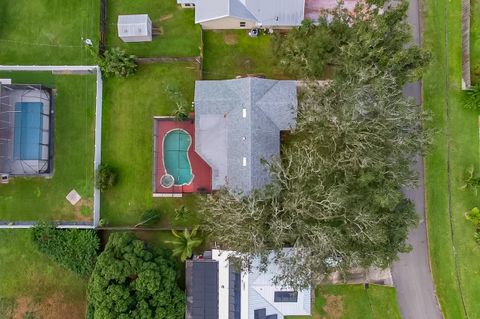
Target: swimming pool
[(176, 144), (28, 130)]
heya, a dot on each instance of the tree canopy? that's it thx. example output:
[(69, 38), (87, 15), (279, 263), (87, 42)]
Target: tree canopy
[(131, 280), (343, 43), (336, 194)]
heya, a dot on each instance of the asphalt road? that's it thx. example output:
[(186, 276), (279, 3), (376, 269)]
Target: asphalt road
[(411, 273)]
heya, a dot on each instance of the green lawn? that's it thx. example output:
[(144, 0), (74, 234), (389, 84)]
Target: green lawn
[(178, 33), (129, 107), (354, 302), (47, 31), (30, 282), (30, 199), (231, 53), (445, 166)]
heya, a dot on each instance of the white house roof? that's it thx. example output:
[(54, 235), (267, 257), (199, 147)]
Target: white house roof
[(257, 291), (133, 25), (263, 12)]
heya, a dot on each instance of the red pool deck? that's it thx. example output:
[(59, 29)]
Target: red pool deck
[(202, 173)]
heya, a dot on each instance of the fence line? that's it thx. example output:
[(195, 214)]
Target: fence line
[(466, 81), (72, 69)]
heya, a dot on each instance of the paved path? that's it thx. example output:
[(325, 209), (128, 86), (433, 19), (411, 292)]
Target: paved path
[(411, 274)]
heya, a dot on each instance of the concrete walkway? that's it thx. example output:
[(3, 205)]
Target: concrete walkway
[(411, 273)]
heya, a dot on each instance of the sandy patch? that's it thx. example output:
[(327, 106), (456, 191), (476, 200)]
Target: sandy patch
[(230, 38), (165, 18), (53, 307), (333, 307)]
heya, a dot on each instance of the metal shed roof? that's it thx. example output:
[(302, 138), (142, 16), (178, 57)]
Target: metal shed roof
[(133, 25)]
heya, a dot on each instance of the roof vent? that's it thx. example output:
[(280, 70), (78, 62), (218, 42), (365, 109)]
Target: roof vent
[(244, 112), (244, 163)]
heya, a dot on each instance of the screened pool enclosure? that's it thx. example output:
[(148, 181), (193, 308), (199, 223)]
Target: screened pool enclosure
[(26, 128)]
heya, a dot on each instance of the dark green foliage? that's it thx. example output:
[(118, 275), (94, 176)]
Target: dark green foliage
[(348, 43), (472, 98), (133, 281), (106, 177), (73, 249), (184, 243), (337, 192), (115, 62)]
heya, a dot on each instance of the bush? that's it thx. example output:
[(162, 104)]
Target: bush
[(106, 177), (73, 249), (115, 62), (472, 98)]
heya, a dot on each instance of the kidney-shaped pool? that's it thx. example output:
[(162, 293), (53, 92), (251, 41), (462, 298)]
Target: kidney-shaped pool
[(176, 144)]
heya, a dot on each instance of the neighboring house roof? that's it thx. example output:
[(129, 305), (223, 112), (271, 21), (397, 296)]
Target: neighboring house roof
[(263, 12), (240, 295), (202, 288), (237, 128)]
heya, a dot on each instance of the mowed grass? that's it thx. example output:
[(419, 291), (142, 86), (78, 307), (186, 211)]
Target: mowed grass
[(457, 282), (31, 283), (129, 107), (229, 53), (32, 199), (47, 31), (175, 31), (353, 302)]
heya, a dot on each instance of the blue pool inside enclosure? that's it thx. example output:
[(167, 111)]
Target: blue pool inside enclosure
[(28, 130), (175, 156)]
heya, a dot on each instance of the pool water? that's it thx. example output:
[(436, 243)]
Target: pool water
[(28, 130), (176, 144)]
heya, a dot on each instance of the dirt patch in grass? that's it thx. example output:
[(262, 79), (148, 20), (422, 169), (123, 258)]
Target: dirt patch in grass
[(53, 307), (230, 38), (165, 18), (333, 307), (83, 211)]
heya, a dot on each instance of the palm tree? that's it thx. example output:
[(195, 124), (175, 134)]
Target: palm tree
[(184, 243)]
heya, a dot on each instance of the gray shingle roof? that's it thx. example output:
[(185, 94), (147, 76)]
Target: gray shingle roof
[(237, 126), (264, 12)]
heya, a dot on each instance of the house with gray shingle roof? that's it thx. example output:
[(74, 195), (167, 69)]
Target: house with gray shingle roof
[(237, 128), (247, 14)]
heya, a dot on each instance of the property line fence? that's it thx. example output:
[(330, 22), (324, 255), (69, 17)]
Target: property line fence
[(466, 81), (71, 69)]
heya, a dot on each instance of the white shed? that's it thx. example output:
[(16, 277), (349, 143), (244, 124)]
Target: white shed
[(135, 28)]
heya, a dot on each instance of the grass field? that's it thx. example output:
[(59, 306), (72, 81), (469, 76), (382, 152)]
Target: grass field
[(47, 31), (129, 107), (456, 147), (179, 35), (353, 302), (30, 199), (31, 286), (231, 53)]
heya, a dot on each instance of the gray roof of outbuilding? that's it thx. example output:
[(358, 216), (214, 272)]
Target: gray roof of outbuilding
[(265, 12), (224, 136)]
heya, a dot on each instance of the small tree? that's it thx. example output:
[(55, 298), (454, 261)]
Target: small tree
[(184, 243), (473, 215), (472, 98), (106, 177), (114, 62), (181, 213), (471, 181)]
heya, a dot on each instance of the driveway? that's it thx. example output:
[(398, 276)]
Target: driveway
[(411, 273)]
